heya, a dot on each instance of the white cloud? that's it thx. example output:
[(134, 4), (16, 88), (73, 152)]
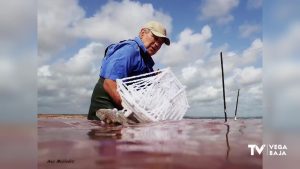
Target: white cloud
[(251, 54), (204, 94), (188, 72), (247, 76), (81, 63), (108, 23), (254, 4), (203, 77), (218, 10), (61, 23), (57, 21), (190, 46), (256, 91), (200, 70), (44, 71), (65, 87), (202, 89), (246, 30), (250, 75)]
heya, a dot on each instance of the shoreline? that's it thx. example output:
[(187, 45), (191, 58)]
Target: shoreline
[(84, 116)]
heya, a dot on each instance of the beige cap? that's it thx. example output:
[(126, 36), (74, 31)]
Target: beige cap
[(158, 30)]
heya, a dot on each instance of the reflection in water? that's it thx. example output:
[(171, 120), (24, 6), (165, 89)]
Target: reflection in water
[(227, 142), (104, 133), (241, 129), (189, 143)]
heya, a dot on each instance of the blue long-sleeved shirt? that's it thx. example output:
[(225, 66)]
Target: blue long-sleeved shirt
[(125, 59)]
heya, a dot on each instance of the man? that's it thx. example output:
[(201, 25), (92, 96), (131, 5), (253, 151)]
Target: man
[(125, 59)]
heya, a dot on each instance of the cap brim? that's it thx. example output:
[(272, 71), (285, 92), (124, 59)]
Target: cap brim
[(167, 40)]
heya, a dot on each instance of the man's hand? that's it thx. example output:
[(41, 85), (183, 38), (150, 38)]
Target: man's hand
[(110, 86), (113, 116)]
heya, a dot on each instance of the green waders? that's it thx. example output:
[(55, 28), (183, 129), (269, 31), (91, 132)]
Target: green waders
[(100, 100)]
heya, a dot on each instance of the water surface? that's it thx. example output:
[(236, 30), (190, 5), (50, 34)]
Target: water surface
[(189, 143)]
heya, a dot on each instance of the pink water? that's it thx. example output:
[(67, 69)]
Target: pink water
[(189, 143)]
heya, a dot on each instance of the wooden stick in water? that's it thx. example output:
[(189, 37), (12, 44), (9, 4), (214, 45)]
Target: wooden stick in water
[(237, 102), (223, 87)]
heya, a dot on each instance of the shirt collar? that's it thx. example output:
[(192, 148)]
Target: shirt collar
[(141, 44), (148, 59)]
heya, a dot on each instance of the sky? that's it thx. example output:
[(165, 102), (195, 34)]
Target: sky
[(51, 51), (73, 34)]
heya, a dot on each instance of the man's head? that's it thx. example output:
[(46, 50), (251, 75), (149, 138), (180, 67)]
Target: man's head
[(153, 35)]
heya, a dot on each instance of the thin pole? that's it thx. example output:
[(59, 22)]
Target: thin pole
[(223, 87), (237, 102)]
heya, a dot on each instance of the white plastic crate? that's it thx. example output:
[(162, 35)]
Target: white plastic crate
[(153, 96)]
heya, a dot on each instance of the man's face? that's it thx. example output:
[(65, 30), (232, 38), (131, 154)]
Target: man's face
[(151, 42)]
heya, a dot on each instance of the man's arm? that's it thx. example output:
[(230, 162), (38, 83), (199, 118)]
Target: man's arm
[(110, 86)]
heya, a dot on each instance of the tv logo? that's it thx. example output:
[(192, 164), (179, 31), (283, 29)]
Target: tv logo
[(257, 148), (272, 149)]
